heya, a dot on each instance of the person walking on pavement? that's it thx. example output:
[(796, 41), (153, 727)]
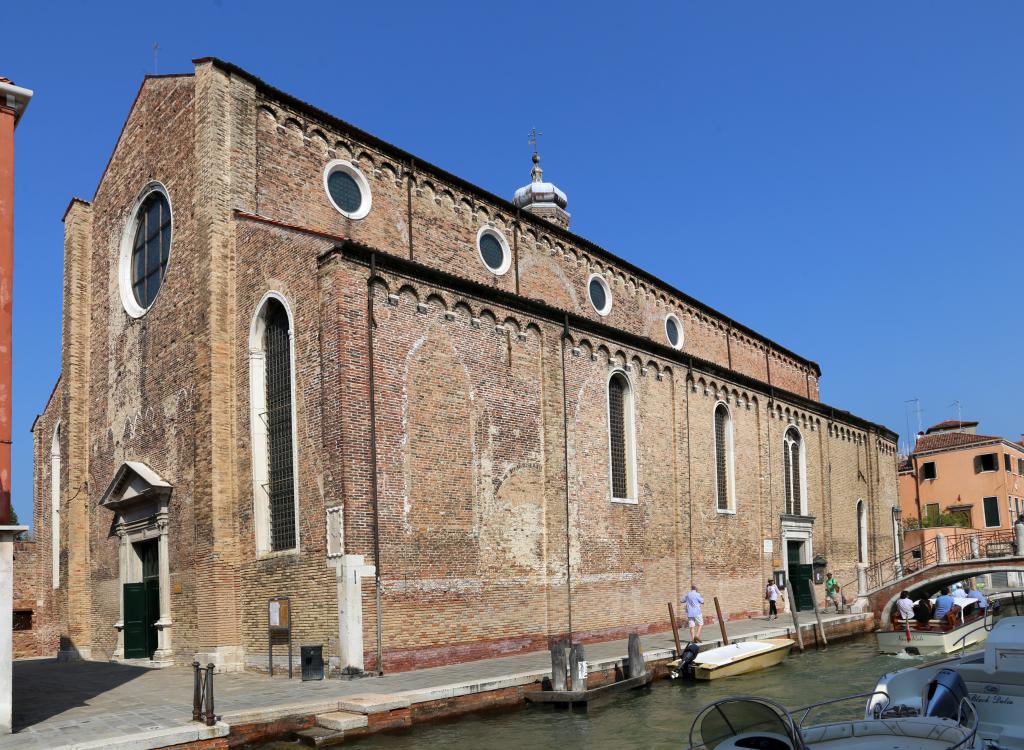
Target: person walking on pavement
[(771, 593), (832, 593), (694, 614)]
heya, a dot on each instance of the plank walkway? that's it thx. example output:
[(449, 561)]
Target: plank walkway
[(104, 705)]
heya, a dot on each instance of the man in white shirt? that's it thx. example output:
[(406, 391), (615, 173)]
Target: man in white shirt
[(905, 605)]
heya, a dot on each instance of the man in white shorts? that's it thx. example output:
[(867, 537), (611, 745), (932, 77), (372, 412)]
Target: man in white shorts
[(694, 613)]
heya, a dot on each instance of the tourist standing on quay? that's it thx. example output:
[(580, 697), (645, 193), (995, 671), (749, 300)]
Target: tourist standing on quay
[(771, 593), (694, 614), (832, 593)]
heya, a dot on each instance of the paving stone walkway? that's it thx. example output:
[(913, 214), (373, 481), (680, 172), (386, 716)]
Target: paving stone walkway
[(59, 704)]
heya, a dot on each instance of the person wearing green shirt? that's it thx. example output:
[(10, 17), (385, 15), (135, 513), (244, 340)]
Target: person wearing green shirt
[(832, 592)]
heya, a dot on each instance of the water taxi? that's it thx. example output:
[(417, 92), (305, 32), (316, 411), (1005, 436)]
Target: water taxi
[(937, 636)]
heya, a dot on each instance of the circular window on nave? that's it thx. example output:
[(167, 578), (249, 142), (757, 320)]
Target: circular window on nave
[(599, 293), (145, 249), (493, 249), (674, 331), (347, 189)]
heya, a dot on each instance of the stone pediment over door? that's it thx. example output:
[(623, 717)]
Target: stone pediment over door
[(136, 491)]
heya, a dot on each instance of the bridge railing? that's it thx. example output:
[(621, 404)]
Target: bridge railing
[(972, 545)]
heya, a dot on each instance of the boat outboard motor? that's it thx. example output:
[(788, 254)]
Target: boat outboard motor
[(944, 694), (685, 665)]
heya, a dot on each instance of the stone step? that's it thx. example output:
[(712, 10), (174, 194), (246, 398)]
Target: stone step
[(341, 720), (319, 737)]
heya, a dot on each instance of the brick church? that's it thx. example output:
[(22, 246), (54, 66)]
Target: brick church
[(300, 362)]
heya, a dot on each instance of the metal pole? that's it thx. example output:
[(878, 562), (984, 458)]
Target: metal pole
[(721, 623), (289, 641), (270, 650)]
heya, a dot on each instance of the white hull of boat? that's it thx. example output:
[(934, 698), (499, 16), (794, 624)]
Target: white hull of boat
[(740, 658), (932, 642)]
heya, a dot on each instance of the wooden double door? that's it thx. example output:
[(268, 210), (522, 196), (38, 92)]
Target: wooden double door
[(142, 605), (801, 576)]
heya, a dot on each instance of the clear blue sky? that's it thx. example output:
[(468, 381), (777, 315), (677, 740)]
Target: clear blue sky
[(845, 178)]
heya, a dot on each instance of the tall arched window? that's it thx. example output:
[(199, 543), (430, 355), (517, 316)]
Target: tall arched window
[(792, 452), (55, 506), (862, 533), (271, 383), (724, 470), (621, 451)]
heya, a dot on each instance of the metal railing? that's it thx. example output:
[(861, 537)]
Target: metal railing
[(202, 694), (972, 545)]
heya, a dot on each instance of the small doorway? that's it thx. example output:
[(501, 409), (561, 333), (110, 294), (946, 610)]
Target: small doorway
[(800, 575), (142, 604)]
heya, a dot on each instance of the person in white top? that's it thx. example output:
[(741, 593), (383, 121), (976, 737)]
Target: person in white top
[(771, 593), (905, 605)]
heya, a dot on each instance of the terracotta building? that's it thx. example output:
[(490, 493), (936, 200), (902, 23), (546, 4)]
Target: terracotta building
[(301, 362), (954, 470)]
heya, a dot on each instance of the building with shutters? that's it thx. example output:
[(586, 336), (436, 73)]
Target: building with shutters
[(954, 471), (300, 362)]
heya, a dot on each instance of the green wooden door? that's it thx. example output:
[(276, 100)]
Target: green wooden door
[(800, 577), (152, 613), (135, 626)]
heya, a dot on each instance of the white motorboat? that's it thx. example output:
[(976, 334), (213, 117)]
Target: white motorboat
[(937, 636), (728, 661)]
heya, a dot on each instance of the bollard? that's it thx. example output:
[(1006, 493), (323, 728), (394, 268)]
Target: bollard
[(210, 718), (636, 657), (197, 694), (558, 667), (975, 547), (940, 545)]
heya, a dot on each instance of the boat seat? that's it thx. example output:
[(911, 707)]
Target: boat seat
[(944, 730)]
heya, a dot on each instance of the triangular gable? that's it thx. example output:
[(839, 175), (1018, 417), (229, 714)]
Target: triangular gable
[(134, 482)]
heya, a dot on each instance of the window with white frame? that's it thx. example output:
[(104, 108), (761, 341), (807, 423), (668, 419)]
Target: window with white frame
[(272, 387), (793, 457), (724, 460), (621, 448), (347, 189)]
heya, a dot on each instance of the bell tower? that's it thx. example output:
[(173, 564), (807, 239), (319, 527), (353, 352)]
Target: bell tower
[(541, 198)]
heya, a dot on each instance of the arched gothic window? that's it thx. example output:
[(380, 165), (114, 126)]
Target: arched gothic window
[(862, 533), (724, 460), (271, 383), (55, 506), (621, 451), (792, 453)]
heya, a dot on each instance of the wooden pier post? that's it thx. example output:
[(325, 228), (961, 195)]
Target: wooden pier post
[(721, 623), (636, 665), (796, 620), (675, 630), (558, 667), (817, 616), (578, 665)]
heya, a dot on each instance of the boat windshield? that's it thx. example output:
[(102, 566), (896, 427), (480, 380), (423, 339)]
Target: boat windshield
[(727, 718)]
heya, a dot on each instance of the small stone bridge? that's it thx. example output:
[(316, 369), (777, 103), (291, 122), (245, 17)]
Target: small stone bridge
[(929, 566)]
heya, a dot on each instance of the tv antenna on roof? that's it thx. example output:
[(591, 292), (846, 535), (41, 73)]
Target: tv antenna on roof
[(156, 56), (960, 421), (534, 135)]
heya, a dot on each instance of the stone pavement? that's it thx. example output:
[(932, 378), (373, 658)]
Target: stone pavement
[(80, 703)]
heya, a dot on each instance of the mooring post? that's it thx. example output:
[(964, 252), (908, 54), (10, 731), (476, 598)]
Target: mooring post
[(578, 667), (197, 693), (210, 718), (817, 616), (636, 656), (721, 623), (675, 630), (558, 667), (796, 620)]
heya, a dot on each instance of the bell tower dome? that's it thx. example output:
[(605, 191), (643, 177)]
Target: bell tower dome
[(541, 198)]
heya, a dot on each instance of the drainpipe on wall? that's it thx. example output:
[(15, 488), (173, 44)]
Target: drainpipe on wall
[(565, 443), (370, 324)]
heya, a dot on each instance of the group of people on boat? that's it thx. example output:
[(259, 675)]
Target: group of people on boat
[(944, 611)]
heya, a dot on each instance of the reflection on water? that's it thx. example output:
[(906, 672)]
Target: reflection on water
[(655, 717)]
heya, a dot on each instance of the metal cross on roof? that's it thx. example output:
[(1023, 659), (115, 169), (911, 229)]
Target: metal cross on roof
[(534, 135)]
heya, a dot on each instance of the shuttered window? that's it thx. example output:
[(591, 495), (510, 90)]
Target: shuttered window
[(991, 511), (617, 395), (723, 457), (281, 477)]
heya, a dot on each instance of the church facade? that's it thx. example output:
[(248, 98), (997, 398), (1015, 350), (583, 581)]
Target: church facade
[(299, 362)]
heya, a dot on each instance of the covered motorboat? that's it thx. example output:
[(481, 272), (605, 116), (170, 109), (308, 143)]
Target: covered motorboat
[(936, 637)]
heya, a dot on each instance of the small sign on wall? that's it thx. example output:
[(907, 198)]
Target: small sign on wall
[(278, 614), (769, 547)]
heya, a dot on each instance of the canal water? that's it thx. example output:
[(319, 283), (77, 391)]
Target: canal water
[(655, 717)]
